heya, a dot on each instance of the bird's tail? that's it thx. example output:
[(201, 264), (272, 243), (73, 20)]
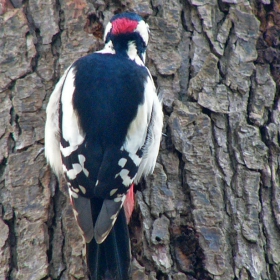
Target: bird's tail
[(110, 260)]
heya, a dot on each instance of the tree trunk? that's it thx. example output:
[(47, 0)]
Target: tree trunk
[(211, 210)]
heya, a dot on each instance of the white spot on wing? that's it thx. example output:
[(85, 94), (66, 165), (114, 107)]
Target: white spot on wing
[(82, 160), (127, 181), (122, 162), (77, 167), (83, 189), (85, 172), (135, 158), (124, 173), (73, 194), (118, 199), (75, 190), (72, 173), (113, 191), (67, 151)]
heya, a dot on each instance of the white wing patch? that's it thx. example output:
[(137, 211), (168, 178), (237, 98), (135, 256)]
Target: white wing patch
[(73, 194), (64, 169), (122, 162), (67, 151), (83, 189), (82, 160), (75, 190), (71, 130), (127, 181), (72, 173), (137, 130), (113, 191), (52, 131), (155, 117), (118, 199), (145, 130), (135, 158)]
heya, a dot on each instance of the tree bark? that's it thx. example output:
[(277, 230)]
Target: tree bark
[(211, 210)]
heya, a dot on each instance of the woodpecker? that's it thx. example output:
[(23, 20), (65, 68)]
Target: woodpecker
[(103, 131)]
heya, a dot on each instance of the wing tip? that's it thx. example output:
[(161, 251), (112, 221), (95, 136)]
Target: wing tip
[(106, 219), (100, 238)]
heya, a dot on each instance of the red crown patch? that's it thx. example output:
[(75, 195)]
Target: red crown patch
[(123, 25)]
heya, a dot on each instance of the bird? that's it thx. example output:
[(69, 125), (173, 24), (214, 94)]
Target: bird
[(103, 131)]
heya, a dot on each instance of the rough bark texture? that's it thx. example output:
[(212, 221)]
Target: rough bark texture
[(211, 210)]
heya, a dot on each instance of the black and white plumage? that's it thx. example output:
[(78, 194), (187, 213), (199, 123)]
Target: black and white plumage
[(103, 131)]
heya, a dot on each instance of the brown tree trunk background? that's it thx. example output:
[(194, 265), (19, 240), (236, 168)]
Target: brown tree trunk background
[(211, 210)]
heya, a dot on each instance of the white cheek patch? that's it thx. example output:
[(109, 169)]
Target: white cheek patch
[(107, 30), (143, 30)]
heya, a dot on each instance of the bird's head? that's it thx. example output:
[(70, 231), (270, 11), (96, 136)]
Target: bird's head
[(127, 33)]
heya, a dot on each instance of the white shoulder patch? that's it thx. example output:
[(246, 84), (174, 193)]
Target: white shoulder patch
[(71, 130), (154, 131), (145, 131), (52, 133), (137, 131)]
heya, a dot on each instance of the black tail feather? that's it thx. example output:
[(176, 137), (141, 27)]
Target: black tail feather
[(110, 260)]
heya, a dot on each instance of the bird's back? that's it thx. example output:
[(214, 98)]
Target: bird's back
[(108, 91)]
